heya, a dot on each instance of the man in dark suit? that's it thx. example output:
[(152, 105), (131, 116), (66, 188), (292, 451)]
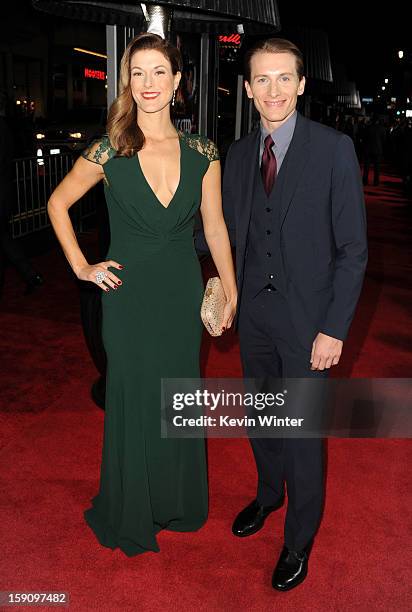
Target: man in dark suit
[(292, 192)]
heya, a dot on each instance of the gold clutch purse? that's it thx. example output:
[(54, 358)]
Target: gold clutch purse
[(213, 305)]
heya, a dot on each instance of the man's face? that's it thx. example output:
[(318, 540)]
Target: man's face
[(274, 86)]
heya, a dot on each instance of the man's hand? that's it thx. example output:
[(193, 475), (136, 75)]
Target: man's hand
[(326, 352)]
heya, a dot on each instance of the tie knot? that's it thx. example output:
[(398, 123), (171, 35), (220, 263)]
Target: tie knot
[(269, 141)]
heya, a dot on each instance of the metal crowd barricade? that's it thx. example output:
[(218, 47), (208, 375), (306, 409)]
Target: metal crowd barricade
[(35, 178)]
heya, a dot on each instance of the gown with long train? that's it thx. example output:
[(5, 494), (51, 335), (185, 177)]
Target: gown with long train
[(151, 330)]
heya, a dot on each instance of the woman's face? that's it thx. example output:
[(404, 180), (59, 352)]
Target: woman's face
[(151, 80)]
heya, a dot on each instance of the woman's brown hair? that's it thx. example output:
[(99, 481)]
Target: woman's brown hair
[(125, 135)]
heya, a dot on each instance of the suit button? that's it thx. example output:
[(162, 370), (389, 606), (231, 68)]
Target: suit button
[(268, 209), (269, 254), (268, 232)]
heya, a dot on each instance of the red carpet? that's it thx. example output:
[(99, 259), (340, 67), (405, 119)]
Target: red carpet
[(50, 444)]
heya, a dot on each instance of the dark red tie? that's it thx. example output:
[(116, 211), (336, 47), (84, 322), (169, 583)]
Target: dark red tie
[(268, 166)]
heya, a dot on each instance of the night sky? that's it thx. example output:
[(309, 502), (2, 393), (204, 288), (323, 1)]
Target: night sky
[(363, 35)]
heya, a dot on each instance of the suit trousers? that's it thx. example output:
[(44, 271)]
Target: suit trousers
[(270, 347)]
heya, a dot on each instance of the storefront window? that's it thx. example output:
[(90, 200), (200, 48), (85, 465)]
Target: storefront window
[(186, 108)]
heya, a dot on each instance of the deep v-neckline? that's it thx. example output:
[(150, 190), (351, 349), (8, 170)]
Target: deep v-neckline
[(180, 177)]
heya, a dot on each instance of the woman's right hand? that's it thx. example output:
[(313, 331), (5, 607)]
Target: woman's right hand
[(89, 272)]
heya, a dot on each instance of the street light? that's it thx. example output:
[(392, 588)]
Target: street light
[(400, 54)]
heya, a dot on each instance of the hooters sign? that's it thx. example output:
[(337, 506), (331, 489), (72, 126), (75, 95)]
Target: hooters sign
[(89, 73)]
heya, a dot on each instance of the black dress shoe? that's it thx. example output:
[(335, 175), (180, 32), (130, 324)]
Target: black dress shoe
[(291, 569), (252, 518)]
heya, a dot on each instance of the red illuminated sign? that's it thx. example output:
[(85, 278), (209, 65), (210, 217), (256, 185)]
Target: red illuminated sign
[(233, 39), (95, 74)]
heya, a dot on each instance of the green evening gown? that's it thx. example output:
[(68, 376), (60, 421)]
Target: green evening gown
[(151, 330)]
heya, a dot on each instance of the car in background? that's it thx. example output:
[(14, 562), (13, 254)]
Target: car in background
[(69, 133)]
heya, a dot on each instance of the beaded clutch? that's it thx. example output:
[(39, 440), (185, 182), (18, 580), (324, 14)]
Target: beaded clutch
[(213, 305)]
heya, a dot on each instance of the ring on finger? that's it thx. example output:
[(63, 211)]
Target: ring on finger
[(100, 276)]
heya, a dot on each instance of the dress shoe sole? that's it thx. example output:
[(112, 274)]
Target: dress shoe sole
[(292, 586)]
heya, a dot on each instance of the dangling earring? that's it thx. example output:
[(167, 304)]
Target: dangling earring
[(174, 97)]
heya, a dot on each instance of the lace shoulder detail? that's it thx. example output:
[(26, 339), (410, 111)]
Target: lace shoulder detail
[(201, 144), (99, 151)]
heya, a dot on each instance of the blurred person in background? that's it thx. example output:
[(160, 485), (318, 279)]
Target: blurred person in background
[(373, 147)]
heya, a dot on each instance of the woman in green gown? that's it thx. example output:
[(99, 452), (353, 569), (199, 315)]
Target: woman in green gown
[(155, 181)]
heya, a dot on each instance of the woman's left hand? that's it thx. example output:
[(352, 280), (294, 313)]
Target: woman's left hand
[(229, 314)]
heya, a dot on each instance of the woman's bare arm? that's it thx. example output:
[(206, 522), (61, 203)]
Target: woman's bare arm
[(82, 177), (217, 237)]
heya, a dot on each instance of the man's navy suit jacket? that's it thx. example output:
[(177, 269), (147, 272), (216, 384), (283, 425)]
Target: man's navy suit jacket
[(322, 231)]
